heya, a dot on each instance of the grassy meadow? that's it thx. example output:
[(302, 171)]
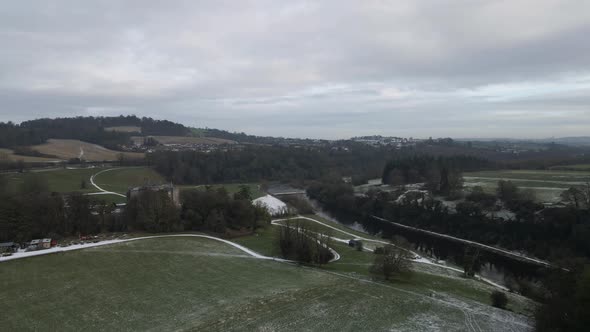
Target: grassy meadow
[(200, 284), (120, 179), (65, 180), (546, 184)]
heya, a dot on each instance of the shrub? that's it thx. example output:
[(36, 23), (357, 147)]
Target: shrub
[(499, 299)]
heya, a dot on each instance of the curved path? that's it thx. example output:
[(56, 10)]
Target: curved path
[(108, 242), (102, 191)]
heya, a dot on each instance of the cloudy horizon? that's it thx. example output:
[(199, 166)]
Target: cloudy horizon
[(322, 69)]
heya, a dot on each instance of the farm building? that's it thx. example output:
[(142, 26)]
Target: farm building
[(173, 192)]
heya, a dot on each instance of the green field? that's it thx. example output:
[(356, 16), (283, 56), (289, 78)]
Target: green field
[(578, 167), (547, 185), (198, 284), (121, 179), (59, 180), (65, 180)]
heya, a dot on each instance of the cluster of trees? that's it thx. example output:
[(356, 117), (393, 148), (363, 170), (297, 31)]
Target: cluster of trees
[(296, 241), (153, 127), (577, 197), (300, 205), (390, 261), (201, 210), (216, 211), (441, 175), (153, 211), (89, 129), (333, 193), (31, 211)]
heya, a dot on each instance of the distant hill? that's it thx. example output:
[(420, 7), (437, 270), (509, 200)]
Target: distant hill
[(105, 131), (185, 140)]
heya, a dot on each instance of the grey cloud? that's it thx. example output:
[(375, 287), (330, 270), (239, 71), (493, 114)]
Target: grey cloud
[(322, 69)]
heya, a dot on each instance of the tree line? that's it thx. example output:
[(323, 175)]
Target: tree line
[(32, 211)]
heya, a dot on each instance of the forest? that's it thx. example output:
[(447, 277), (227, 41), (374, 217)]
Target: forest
[(253, 163)]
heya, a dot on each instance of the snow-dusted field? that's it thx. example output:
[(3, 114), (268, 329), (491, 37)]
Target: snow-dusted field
[(157, 284)]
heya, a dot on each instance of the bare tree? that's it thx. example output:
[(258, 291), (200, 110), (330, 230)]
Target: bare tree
[(392, 261)]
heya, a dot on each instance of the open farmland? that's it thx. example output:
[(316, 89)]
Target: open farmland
[(547, 185), (7, 154), (68, 149), (181, 140), (200, 284)]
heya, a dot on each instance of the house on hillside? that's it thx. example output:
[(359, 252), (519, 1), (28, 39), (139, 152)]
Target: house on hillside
[(172, 191)]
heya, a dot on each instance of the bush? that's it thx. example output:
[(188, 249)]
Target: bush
[(499, 299), (301, 205), (358, 246)]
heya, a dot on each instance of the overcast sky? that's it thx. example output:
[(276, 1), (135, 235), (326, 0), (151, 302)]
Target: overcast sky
[(330, 69)]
